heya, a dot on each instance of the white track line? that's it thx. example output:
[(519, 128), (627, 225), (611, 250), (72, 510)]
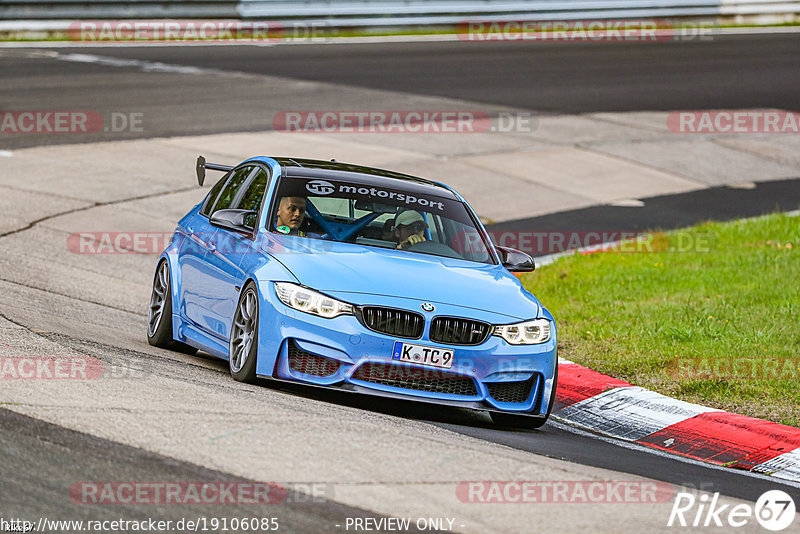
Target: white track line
[(142, 65)]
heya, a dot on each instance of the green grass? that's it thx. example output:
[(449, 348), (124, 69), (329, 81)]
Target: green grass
[(710, 314)]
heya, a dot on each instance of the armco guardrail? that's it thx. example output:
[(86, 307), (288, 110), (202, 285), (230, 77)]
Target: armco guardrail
[(399, 12), (107, 9), (454, 11), (756, 7), (415, 12)]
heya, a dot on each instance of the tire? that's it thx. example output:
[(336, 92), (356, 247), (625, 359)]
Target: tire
[(513, 420), (159, 318), (243, 346)]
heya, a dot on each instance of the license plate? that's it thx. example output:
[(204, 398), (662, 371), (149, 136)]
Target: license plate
[(433, 356)]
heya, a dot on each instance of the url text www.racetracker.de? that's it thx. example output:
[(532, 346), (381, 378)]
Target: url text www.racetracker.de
[(225, 524)]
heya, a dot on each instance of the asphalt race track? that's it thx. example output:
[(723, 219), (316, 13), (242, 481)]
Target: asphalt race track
[(735, 71), (47, 458), (729, 72), (669, 212), (171, 417)]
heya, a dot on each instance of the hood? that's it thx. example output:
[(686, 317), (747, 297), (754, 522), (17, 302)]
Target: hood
[(329, 266)]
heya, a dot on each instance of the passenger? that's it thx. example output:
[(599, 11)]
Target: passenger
[(409, 229), (291, 213)]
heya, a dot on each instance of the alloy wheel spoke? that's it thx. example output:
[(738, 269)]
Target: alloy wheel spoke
[(250, 304), (158, 298), (162, 275)]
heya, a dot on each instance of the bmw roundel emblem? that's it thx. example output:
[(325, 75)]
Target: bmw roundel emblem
[(428, 307)]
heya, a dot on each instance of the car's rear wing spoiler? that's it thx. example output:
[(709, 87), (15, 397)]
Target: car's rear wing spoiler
[(202, 166)]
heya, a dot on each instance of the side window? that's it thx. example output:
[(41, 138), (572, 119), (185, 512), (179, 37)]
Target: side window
[(213, 194), (251, 199), (231, 188)]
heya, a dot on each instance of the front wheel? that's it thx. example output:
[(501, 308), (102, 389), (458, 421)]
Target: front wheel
[(242, 354), (159, 319)]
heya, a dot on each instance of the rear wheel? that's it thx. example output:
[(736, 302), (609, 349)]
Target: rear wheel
[(243, 351), (526, 421), (159, 319)]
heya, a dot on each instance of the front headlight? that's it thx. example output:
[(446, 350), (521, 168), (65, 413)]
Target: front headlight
[(307, 300), (524, 333)]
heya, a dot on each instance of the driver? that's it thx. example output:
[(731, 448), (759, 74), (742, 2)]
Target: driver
[(409, 229), (291, 213)]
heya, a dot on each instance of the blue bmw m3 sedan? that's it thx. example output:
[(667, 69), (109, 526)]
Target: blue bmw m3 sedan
[(358, 279)]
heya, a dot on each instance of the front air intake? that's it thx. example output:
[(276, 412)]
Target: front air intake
[(511, 391), (310, 364), (415, 378)]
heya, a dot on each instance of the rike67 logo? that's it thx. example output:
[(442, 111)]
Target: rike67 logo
[(774, 510)]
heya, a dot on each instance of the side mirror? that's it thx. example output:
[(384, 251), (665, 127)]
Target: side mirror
[(234, 220), (515, 260)]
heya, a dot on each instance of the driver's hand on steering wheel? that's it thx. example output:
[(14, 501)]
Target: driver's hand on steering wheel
[(411, 241)]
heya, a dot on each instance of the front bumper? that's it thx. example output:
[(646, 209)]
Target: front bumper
[(342, 353)]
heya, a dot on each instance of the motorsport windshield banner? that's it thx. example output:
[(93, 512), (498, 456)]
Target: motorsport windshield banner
[(373, 194)]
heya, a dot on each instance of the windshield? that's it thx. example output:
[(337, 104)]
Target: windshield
[(417, 223)]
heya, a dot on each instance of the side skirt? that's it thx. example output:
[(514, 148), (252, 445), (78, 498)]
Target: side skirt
[(198, 339)]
